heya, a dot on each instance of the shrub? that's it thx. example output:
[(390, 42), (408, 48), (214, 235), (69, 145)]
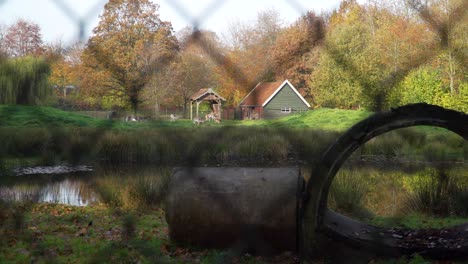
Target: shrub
[(140, 189), (439, 192), (24, 81), (149, 190), (347, 195)]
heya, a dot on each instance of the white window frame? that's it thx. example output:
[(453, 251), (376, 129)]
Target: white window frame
[(286, 110)]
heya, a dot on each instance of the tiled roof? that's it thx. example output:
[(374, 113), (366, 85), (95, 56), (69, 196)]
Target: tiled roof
[(198, 93), (260, 94), (205, 91)]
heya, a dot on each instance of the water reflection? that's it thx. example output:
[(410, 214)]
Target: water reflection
[(120, 186), (65, 191), (62, 169)]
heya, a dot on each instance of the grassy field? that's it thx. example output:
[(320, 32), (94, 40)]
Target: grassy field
[(33, 116), (50, 233), (48, 117), (337, 120), (56, 135)]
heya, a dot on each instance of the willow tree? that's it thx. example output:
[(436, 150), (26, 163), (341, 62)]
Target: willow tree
[(130, 43), (24, 80)]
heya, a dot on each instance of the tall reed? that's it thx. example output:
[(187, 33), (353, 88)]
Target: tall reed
[(132, 189)]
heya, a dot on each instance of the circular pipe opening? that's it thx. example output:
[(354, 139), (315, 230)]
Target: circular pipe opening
[(319, 222)]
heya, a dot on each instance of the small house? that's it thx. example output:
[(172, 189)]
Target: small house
[(271, 100)]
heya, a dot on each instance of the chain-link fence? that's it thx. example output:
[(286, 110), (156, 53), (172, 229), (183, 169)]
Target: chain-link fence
[(440, 26)]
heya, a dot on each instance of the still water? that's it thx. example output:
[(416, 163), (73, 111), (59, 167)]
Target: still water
[(78, 185), (68, 188)]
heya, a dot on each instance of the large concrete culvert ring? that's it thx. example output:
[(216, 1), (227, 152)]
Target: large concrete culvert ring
[(320, 224)]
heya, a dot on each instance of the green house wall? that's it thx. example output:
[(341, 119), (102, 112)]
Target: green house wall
[(284, 98)]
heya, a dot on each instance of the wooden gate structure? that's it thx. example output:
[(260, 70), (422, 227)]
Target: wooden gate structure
[(207, 95)]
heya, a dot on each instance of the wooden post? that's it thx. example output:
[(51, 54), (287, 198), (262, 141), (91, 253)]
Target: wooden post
[(191, 110), (198, 105), (220, 109)]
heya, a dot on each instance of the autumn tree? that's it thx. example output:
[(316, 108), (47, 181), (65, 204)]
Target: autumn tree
[(158, 88), (191, 70), (23, 38), (3, 31), (193, 74), (175, 84), (336, 78), (369, 50), (293, 54), (442, 80), (450, 22), (129, 44), (65, 65), (249, 60)]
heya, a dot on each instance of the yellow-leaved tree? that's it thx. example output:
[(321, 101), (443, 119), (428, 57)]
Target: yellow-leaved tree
[(130, 44)]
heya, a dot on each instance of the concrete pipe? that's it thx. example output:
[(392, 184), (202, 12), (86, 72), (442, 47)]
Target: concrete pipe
[(246, 208)]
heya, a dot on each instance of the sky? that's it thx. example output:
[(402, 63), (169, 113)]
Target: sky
[(59, 19)]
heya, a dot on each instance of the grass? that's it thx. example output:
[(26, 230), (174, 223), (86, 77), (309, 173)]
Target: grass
[(122, 188), (63, 137), (164, 146), (52, 233), (34, 116), (98, 234), (372, 194), (418, 221), (440, 192), (48, 117), (326, 119), (347, 195)]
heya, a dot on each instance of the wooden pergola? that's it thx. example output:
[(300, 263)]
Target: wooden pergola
[(206, 95)]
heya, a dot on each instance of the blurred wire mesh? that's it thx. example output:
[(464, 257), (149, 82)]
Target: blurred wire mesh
[(81, 22)]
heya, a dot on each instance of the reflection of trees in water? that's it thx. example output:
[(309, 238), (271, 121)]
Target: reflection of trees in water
[(81, 189), (68, 191)]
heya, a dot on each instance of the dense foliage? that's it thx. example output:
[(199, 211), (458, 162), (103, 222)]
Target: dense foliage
[(24, 81), (371, 54), (129, 44)]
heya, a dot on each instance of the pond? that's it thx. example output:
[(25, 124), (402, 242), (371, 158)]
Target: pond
[(70, 188), (80, 185), (362, 188)]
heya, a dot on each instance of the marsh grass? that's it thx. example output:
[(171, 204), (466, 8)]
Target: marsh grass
[(165, 146), (149, 191), (414, 144), (348, 195), (393, 195), (366, 191), (207, 146), (143, 190), (63, 137), (440, 192)]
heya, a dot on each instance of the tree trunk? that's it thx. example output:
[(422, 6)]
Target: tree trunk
[(157, 108), (185, 107), (451, 72)]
